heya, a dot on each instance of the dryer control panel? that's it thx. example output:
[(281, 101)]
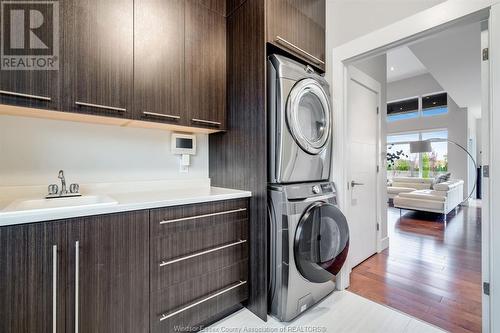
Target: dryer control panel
[(308, 190)]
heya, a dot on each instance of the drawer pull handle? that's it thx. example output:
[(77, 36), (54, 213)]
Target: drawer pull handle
[(197, 254), (202, 216), (161, 115), (104, 107), (289, 45), (223, 291), (209, 122), (11, 93)]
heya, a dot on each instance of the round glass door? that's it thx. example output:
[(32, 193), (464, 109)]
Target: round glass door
[(321, 242), (308, 116)]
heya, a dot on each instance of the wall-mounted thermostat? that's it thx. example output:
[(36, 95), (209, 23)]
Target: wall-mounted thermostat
[(184, 145)]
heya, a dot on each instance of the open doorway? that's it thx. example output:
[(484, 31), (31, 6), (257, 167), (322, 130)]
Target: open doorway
[(430, 135)]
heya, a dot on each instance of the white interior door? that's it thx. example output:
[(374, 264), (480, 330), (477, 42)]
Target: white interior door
[(485, 186), (363, 118)]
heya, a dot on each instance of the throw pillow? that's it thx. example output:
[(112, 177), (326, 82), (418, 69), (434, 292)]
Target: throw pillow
[(441, 179)]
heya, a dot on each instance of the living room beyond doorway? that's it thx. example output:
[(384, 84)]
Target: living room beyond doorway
[(434, 127), (431, 270)]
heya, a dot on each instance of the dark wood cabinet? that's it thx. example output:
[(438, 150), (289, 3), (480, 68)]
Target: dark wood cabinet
[(32, 278), (299, 27), (140, 271), (205, 74), (31, 77), (98, 56), (159, 61), (199, 263), (111, 282)]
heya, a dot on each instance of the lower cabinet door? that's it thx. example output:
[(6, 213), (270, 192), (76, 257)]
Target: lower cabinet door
[(32, 278), (109, 273)]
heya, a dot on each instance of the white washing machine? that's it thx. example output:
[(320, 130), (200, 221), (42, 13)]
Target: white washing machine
[(309, 241), (299, 125)]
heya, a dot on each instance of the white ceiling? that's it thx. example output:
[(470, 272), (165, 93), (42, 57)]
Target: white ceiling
[(453, 57), (403, 64)]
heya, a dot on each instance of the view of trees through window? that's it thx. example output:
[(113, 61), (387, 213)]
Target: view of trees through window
[(401, 162)]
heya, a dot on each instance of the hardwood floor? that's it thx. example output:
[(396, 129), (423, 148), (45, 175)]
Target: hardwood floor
[(431, 270)]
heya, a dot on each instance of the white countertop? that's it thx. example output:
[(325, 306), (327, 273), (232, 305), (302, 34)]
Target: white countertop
[(127, 197)]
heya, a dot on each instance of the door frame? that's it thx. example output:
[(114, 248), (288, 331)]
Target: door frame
[(370, 83), (422, 25)]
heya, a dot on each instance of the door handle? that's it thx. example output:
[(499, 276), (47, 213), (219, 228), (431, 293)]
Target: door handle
[(77, 282), (353, 183), (54, 288)]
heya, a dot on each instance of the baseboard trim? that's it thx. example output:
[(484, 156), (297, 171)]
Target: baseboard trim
[(383, 244)]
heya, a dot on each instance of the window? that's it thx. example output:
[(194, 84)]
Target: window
[(401, 162), (434, 105), (425, 106), (406, 109)]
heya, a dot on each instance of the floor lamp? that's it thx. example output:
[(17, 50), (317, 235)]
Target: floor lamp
[(425, 147)]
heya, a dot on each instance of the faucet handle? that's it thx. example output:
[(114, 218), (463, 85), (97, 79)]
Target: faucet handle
[(74, 188), (61, 174), (53, 188)]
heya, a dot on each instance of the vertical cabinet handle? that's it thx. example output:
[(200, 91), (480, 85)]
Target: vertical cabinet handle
[(54, 288), (77, 277)]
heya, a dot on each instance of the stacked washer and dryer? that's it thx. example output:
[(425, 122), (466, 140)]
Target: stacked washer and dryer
[(309, 236)]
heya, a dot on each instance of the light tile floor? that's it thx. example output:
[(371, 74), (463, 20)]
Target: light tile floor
[(342, 311)]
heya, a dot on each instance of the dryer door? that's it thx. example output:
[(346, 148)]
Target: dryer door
[(321, 242), (308, 116)]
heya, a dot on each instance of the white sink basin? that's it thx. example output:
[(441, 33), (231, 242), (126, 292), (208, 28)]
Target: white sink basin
[(86, 201)]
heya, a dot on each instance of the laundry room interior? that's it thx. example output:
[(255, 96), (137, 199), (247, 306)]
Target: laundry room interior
[(230, 165)]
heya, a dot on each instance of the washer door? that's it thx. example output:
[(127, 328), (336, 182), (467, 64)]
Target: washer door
[(321, 242), (308, 116)]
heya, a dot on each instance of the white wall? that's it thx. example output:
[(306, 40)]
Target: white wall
[(33, 150), (376, 67), (455, 121), (349, 19)]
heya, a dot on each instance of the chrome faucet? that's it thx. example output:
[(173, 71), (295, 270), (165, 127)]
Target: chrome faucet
[(63, 182), (54, 189)]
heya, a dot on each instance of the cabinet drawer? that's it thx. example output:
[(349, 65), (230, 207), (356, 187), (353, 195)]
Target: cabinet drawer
[(185, 230), (197, 239), (199, 262), (162, 277), (196, 300)]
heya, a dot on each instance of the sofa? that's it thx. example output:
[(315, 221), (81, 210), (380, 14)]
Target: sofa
[(408, 184), (442, 198)]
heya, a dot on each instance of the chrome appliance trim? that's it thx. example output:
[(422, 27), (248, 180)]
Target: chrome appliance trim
[(298, 91)]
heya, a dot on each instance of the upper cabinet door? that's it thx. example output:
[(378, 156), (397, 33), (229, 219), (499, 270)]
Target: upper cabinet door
[(98, 45), (299, 27), (30, 71), (32, 278), (159, 61), (205, 73)]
